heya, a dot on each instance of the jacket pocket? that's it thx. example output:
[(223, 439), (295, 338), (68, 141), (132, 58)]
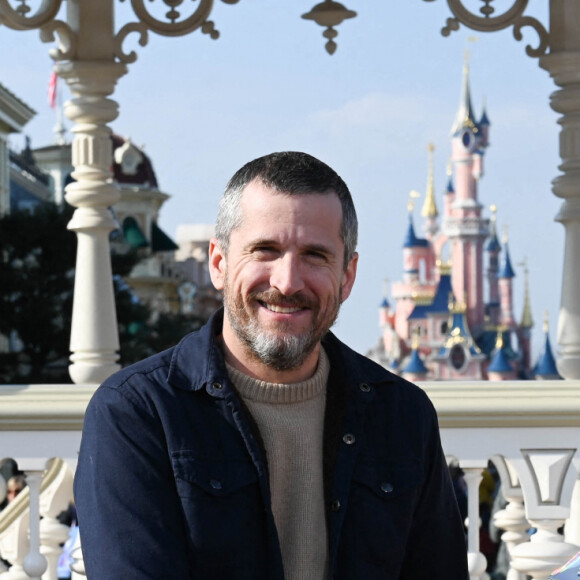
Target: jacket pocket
[(217, 478), (224, 514), (380, 511)]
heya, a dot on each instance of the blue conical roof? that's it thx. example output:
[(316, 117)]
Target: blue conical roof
[(415, 365), (385, 303), (500, 362), (507, 271), (484, 120), (546, 365), (411, 240), (450, 187), (440, 300)]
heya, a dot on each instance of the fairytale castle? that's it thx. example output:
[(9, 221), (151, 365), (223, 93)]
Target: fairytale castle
[(452, 316)]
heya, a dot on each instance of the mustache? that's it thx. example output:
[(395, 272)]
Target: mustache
[(278, 299)]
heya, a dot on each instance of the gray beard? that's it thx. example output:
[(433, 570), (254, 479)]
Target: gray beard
[(280, 353)]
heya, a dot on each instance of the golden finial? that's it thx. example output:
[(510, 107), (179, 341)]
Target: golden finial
[(493, 209), (412, 196), (546, 323), (415, 341), (505, 235), (430, 207), (449, 167), (499, 338)]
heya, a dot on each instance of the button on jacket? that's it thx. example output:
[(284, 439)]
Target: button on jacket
[(172, 481)]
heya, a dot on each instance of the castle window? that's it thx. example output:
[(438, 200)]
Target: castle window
[(457, 357)]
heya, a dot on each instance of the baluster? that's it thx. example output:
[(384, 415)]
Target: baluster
[(475, 559), (512, 518), (34, 563)]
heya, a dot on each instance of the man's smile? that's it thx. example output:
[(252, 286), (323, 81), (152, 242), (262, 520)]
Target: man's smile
[(280, 309)]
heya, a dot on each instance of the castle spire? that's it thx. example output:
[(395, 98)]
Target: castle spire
[(527, 320), (507, 271), (430, 207), (464, 116), (545, 368)]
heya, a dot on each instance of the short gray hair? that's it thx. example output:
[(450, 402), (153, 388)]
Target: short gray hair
[(289, 173)]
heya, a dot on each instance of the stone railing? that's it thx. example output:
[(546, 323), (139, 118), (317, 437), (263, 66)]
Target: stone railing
[(530, 430)]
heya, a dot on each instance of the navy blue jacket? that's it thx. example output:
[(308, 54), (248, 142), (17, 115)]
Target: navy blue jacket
[(172, 481)]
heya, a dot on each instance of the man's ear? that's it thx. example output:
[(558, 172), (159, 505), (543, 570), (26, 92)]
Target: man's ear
[(217, 264), (349, 276)]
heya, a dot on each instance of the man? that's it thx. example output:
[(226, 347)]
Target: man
[(261, 447)]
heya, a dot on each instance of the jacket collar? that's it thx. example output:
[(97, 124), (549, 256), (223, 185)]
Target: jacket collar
[(198, 359)]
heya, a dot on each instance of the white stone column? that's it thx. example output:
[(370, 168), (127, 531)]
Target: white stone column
[(563, 64), (34, 563), (475, 559), (94, 334)]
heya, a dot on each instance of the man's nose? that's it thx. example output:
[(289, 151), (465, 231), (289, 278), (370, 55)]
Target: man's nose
[(286, 275)]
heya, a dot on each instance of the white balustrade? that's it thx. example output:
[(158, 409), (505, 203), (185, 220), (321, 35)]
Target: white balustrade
[(528, 429)]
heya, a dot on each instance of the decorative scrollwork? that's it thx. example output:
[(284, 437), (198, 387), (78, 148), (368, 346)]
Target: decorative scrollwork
[(175, 24), (67, 39), (542, 35), (18, 19), (513, 16), (120, 38)]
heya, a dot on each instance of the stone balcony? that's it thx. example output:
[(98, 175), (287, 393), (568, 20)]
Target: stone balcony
[(531, 431)]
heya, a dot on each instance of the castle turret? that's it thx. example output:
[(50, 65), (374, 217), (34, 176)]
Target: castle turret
[(493, 248), (415, 369), (500, 368), (415, 252), (484, 127), (525, 328), (505, 278), (464, 227), (545, 368)]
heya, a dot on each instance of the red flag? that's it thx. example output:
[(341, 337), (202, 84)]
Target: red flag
[(52, 90)]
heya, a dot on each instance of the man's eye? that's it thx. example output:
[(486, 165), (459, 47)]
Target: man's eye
[(316, 255), (264, 250)]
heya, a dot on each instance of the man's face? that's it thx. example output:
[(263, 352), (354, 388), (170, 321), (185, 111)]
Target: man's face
[(283, 277)]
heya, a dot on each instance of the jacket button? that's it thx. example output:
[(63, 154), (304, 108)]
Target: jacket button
[(215, 483), (335, 505), (387, 487), (349, 438), (364, 388), (217, 386)]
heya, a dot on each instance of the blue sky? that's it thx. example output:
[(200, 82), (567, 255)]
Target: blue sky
[(202, 108)]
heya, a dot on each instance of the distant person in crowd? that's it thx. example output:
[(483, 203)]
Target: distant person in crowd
[(261, 447), (14, 486)]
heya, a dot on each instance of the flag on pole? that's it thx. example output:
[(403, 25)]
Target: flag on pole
[(52, 89), (569, 571)]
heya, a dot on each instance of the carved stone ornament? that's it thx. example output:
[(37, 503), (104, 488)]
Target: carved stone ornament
[(513, 16)]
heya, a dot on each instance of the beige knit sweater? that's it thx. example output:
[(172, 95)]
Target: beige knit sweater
[(290, 418)]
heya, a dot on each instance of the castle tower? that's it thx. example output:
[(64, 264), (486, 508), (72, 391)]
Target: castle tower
[(525, 329), (500, 368), (493, 248), (505, 277), (429, 211), (415, 369), (545, 368), (464, 227)]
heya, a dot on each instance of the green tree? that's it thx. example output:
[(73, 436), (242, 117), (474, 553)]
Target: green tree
[(37, 265)]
